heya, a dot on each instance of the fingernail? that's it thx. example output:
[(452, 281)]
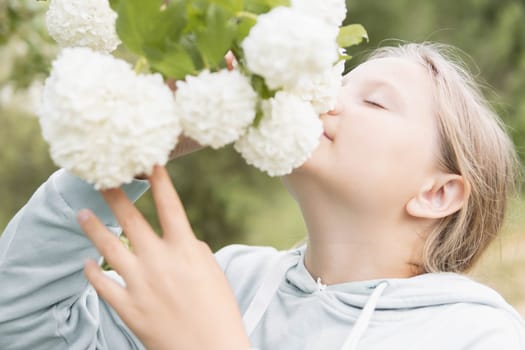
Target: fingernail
[(83, 215), (90, 263)]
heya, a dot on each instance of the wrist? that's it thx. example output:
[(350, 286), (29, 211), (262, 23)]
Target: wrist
[(185, 146)]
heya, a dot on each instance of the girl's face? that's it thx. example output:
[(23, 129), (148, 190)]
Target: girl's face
[(381, 141)]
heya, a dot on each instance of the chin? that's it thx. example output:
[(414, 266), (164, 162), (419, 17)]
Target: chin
[(308, 167), (316, 164), (316, 169), (310, 171)]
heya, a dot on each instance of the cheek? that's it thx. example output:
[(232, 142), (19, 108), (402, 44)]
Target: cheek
[(386, 152)]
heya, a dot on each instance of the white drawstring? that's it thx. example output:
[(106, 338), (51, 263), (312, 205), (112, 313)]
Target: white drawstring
[(273, 279), (270, 283), (320, 285), (364, 318)]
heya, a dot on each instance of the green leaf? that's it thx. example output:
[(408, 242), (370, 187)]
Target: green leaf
[(263, 6), (260, 86), (244, 26), (275, 3), (216, 38), (175, 63), (134, 22), (172, 21), (188, 43), (196, 12), (114, 4), (351, 35), (231, 6), (148, 23)]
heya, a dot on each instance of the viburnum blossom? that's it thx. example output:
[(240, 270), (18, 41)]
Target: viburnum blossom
[(83, 23), (286, 45), (333, 12), (322, 91), (103, 122), (106, 123), (216, 108), (285, 138)]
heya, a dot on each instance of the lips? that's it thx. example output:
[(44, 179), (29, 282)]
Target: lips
[(325, 134), (330, 125)]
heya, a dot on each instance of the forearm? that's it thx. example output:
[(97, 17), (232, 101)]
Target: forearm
[(42, 250)]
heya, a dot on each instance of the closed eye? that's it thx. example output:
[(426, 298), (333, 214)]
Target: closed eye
[(375, 104)]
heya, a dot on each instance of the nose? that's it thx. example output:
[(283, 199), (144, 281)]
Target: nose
[(331, 113), (334, 111), (328, 116)]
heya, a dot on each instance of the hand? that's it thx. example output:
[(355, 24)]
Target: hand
[(176, 295)]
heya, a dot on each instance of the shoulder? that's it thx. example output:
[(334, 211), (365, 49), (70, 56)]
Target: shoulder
[(487, 327), (245, 267), (242, 259), (461, 312)]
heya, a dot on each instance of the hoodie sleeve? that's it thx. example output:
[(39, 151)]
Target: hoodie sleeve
[(45, 300)]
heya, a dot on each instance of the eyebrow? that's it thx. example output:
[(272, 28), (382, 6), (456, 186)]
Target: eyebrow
[(376, 82)]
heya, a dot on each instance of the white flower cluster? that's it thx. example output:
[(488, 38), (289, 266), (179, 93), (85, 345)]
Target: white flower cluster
[(286, 45), (322, 91), (216, 108), (285, 137), (103, 122), (333, 12), (295, 50), (107, 124), (83, 23)]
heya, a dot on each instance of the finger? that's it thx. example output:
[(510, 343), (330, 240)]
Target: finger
[(114, 294), (172, 217), (229, 58), (109, 246), (137, 229), (172, 84)]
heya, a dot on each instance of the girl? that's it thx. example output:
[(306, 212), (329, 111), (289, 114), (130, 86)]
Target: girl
[(406, 190)]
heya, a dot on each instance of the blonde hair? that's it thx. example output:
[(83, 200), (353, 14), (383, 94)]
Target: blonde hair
[(473, 144)]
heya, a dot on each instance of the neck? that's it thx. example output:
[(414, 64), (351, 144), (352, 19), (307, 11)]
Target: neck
[(346, 245)]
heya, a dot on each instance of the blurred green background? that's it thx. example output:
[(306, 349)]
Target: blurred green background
[(228, 201)]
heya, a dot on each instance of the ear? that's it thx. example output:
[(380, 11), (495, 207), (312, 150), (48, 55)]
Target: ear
[(443, 196)]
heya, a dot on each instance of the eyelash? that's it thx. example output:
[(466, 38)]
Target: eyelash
[(374, 104)]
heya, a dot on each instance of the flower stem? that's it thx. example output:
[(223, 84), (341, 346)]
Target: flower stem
[(246, 14), (141, 65)]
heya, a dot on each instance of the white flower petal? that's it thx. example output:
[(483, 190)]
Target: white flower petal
[(333, 12), (83, 23), (216, 108), (322, 91), (285, 138), (103, 122), (286, 45)]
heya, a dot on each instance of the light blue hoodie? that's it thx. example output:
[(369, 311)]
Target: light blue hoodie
[(46, 303)]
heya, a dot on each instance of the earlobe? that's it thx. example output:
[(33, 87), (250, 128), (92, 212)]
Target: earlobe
[(443, 197)]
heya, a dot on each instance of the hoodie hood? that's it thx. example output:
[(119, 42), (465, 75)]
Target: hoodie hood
[(283, 307)]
